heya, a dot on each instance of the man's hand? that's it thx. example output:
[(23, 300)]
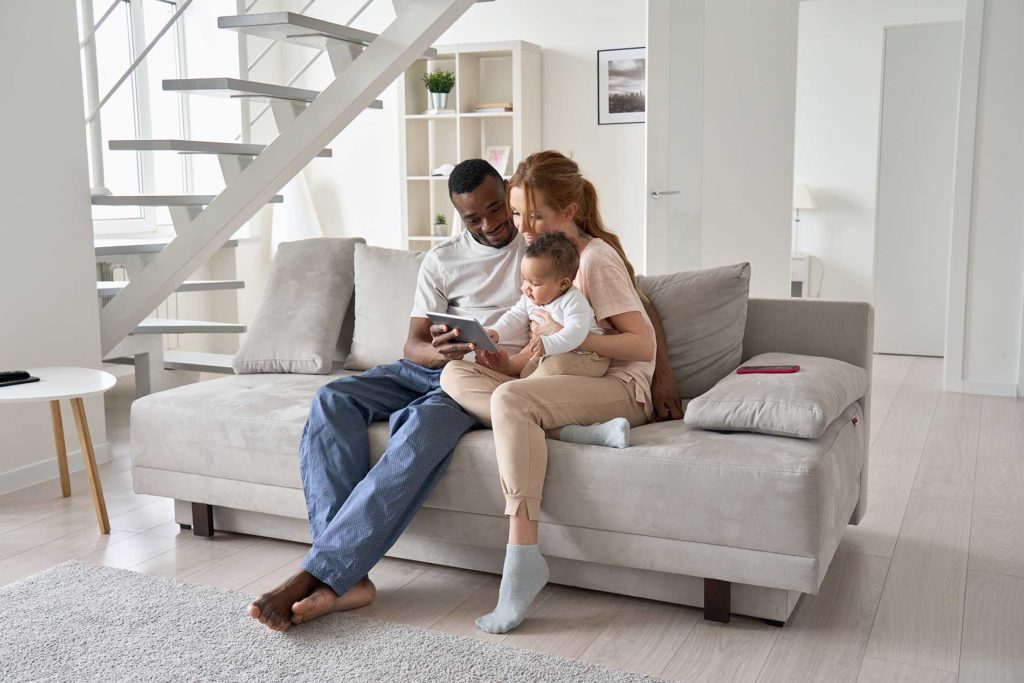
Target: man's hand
[(665, 395), (492, 334), (446, 343)]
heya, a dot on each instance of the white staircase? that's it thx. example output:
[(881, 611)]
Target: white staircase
[(364, 65)]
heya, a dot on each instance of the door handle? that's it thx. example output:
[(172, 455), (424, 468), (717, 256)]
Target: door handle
[(656, 194)]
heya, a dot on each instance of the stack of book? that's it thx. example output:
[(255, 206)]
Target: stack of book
[(489, 107)]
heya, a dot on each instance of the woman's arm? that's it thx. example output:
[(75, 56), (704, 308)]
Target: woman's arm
[(502, 362), (634, 340)]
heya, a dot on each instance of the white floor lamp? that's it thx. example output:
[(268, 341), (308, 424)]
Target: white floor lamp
[(802, 199)]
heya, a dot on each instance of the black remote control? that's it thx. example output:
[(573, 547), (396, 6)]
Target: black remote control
[(11, 377), (8, 375)]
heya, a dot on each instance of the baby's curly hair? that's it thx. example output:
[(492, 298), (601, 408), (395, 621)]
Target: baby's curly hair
[(560, 250)]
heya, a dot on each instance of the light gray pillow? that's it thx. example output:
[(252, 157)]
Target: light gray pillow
[(704, 313), (802, 404), (385, 284), (297, 326)]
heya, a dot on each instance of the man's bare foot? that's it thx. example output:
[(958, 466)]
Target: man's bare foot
[(274, 609), (323, 601)]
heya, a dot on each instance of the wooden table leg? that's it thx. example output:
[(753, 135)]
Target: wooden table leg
[(62, 451), (78, 408)]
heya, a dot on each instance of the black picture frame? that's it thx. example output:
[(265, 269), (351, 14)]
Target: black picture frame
[(621, 86)]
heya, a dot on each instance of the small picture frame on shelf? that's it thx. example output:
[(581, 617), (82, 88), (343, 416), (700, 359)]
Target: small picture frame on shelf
[(498, 157), (622, 86)]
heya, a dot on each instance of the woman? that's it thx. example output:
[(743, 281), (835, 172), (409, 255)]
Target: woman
[(548, 194)]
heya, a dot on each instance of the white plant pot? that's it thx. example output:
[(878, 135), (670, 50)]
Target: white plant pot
[(440, 230), (438, 100)]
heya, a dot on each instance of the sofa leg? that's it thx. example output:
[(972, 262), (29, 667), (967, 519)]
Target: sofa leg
[(716, 600), (773, 622), (202, 519), (186, 527)]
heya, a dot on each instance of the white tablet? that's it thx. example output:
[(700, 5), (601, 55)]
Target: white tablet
[(470, 330)]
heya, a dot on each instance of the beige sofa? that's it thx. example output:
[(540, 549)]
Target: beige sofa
[(732, 522)]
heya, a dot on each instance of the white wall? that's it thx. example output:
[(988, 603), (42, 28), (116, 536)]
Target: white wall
[(749, 91), (838, 91), (996, 266), (48, 312)]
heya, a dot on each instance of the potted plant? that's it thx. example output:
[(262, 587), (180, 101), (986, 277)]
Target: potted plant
[(439, 83), (440, 226)]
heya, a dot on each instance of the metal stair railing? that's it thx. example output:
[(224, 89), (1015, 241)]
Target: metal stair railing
[(406, 39)]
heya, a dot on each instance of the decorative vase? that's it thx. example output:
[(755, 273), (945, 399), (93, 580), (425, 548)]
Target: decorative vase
[(438, 100)]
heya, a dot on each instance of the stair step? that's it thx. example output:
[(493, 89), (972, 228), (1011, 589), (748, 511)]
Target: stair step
[(198, 361), (299, 29), (193, 147), (176, 359), (161, 199), (110, 288), (175, 326), (127, 246), (236, 87)]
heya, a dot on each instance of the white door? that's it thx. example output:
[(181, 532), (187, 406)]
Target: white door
[(920, 77), (675, 84)]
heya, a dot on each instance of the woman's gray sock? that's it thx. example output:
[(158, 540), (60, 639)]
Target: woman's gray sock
[(524, 575), (613, 433)]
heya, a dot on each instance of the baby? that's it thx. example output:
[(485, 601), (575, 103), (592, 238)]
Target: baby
[(549, 269)]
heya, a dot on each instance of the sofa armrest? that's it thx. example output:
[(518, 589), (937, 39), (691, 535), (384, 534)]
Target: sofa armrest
[(844, 330)]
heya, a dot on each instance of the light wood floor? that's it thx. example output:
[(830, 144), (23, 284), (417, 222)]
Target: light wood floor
[(930, 587)]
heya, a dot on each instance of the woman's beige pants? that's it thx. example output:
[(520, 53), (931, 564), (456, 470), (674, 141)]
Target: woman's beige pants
[(519, 410)]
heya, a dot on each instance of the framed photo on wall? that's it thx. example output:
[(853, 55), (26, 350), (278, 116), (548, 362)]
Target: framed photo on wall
[(498, 157), (622, 85)]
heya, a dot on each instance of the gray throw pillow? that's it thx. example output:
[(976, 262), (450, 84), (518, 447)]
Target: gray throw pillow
[(385, 284), (704, 313), (297, 326), (802, 404)]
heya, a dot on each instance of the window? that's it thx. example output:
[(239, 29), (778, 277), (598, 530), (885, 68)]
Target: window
[(138, 109)]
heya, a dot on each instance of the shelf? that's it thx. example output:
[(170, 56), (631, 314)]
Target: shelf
[(484, 72), (431, 116)]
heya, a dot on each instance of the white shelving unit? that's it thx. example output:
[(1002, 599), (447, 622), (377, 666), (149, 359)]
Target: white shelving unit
[(484, 72)]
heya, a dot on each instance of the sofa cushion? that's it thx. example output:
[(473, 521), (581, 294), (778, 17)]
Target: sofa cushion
[(676, 482), (385, 283), (704, 313), (801, 404), (297, 327)]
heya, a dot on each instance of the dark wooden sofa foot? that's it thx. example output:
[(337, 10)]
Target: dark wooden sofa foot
[(717, 596), (773, 622), (202, 519)]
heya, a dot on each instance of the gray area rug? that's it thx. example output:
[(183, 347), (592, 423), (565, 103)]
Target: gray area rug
[(82, 622)]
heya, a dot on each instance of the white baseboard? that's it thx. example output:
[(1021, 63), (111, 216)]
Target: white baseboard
[(45, 470), (974, 386)]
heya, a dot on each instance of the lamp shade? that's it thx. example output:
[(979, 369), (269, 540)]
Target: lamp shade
[(802, 197)]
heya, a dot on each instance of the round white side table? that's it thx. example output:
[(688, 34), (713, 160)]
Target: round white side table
[(73, 383)]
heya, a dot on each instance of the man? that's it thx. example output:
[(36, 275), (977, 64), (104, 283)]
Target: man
[(356, 513)]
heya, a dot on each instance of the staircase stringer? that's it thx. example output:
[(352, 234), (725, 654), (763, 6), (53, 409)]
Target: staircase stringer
[(413, 31)]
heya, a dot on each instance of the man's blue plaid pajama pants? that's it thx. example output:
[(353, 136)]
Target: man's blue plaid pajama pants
[(356, 513)]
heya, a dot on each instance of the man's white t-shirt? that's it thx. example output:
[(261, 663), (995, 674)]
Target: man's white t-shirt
[(463, 277)]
